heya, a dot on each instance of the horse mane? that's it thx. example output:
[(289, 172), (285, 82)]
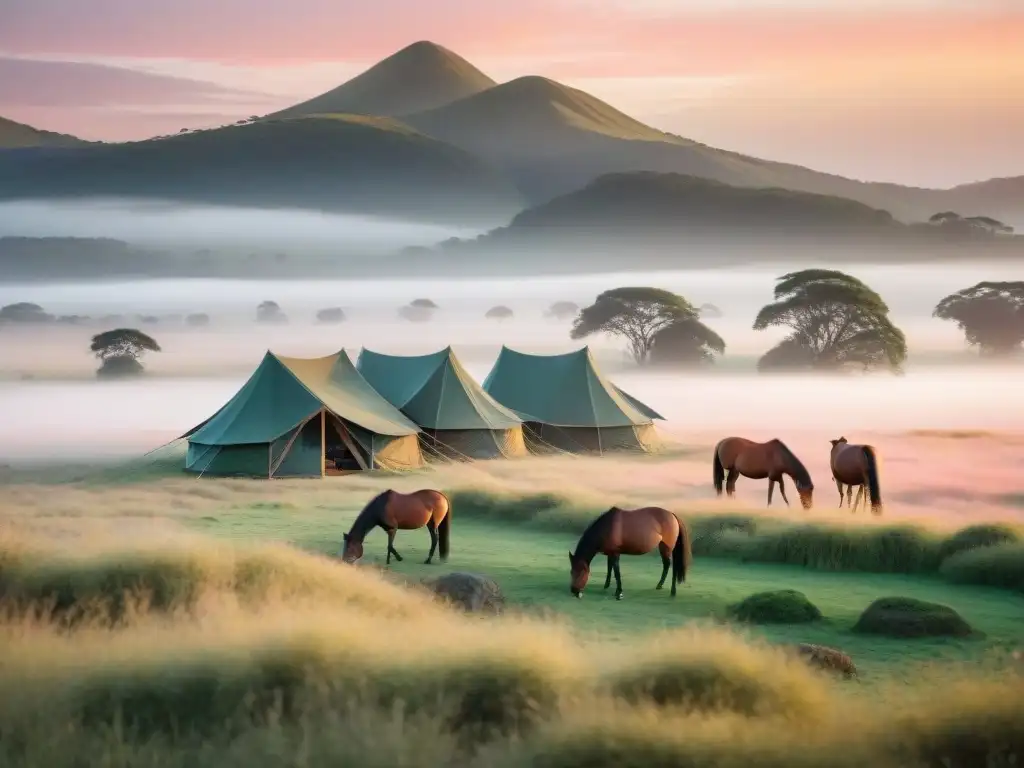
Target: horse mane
[(593, 533), (370, 514), (800, 473)]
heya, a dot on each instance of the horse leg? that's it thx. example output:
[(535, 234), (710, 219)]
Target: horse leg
[(391, 546), (608, 578), (771, 489), (860, 497), (666, 562), (839, 485), (730, 482), (432, 530), (782, 490), (618, 580)]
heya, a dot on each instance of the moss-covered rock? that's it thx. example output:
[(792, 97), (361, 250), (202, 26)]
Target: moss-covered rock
[(783, 606), (907, 617)]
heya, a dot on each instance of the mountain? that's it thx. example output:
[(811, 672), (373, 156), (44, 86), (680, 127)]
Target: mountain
[(339, 162), (19, 136), (419, 77), (1001, 198), (553, 139)]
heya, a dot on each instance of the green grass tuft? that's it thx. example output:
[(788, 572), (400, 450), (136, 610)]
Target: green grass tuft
[(784, 606)]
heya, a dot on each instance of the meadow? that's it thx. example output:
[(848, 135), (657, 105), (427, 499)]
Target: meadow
[(157, 619)]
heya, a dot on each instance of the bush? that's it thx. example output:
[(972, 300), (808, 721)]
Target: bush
[(975, 536), (784, 606), (1001, 565), (907, 617)]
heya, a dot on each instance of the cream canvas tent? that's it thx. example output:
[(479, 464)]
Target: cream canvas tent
[(292, 413), (458, 418), (567, 404)]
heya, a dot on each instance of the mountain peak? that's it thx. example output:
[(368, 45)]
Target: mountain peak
[(18, 135), (421, 76)]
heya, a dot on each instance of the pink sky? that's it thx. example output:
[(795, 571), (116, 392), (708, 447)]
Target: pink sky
[(918, 91)]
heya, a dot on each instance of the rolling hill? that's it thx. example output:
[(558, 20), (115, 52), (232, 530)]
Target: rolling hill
[(419, 77), (339, 162), (19, 136)]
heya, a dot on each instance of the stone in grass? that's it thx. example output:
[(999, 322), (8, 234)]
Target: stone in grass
[(827, 659), (783, 606), (906, 617), (472, 592)]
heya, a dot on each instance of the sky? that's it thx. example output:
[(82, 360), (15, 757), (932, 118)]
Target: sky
[(923, 92)]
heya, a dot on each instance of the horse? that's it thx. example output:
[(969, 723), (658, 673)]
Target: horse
[(394, 511), (631, 532), (773, 459), (856, 465)]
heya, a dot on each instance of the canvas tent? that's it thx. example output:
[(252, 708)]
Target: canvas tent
[(294, 412), (567, 404), (458, 419)]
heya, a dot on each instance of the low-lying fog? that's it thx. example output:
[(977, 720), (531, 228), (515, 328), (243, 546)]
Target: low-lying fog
[(165, 224)]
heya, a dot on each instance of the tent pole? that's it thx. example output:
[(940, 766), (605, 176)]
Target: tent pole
[(600, 447), (323, 443), (270, 460)]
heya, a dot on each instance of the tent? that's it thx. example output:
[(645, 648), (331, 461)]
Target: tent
[(567, 403), (458, 418), (293, 413)]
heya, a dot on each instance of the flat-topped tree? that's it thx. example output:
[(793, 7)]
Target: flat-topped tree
[(639, 315), (120, 350), (500, 312), (562, 310), (330, 315), (991, 315), (270, 312), (835, 321)]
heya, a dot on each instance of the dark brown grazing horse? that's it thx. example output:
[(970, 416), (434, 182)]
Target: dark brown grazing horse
[(631, 532), (739, 456), (856, 465), (394, 511)]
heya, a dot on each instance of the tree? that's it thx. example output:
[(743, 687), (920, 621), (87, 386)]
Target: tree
[(991, 315), (270, 312), (985, 225), (835, 321), (24, 312), (418, 310), (120, 350), (639, 315), (197, 319), (423, 304), (562, 310), (330, 315), (686, 342), (500, 312)]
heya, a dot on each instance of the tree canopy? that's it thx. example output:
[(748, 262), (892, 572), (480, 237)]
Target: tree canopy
[(835, 321), (270, 312), (500, 312), (646, 317), (562, 310), (120, 350), (331, 315), (24, 312), (990, 314)]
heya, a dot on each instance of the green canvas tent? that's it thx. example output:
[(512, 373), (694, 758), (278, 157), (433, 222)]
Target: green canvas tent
[(568, 405), (294, 412), (458, 418)]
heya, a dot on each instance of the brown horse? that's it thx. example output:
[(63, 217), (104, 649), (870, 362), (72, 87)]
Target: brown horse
[(631, 532), (856, 465), (739, 456), (394, 511)]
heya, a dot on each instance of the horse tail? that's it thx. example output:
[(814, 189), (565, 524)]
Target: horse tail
[(682, 554), (444, 529), (871, 470), (719, 470)]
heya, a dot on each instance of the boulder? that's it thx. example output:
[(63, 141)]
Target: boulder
[(472, 592), (827, 659), (908, 617)]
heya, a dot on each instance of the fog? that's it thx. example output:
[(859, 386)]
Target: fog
[(166, 224)]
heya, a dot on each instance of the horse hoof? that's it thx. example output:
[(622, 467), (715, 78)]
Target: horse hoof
[(618, 596), (660, 586), (427, 562)]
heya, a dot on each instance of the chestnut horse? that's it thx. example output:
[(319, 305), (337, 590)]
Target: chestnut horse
[(739, 456), (856, 465), (394, 511), (631, 532)]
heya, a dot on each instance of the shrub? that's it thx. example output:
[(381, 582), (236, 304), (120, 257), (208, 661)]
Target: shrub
[(1001, 565), (907, 617), (784, 606), (975, 536)]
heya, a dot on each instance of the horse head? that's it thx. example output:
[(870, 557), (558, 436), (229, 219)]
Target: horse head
[(838, 440), (806, 493), (580, 574), (352, 549)]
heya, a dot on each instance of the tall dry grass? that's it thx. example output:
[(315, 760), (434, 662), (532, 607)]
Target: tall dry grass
[(209, 655)]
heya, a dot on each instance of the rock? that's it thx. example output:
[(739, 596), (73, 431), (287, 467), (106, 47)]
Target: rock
[(783, 606), (472, 592), (907, 617), (825, 658)]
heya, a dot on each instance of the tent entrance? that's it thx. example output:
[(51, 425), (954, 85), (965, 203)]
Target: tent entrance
[(342, 454)]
